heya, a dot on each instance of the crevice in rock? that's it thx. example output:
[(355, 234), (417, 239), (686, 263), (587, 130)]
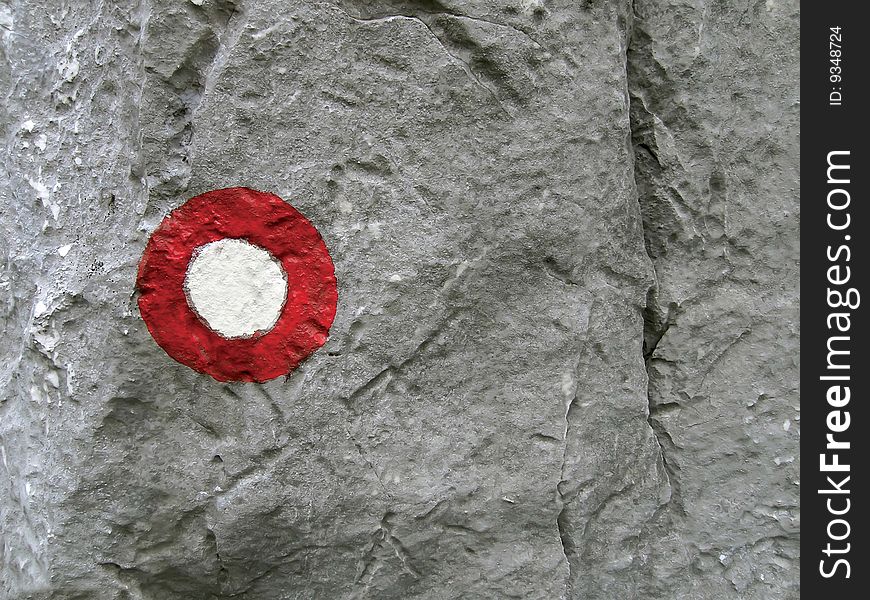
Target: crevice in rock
[(222, 573), (274, 408), (385, 377), (656, 319), (562, 524), (184, 90), (381, 9), (227, 40), (565, 540), (448, 28), (383, 544), (138, 169), (366, 460), (260, 464), (397, 546)]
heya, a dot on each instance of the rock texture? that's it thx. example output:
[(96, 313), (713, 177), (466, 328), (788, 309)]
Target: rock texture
[(715, 116), (564, 363)]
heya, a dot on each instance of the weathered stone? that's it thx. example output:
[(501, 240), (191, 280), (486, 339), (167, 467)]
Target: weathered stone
[(477, 424), (715, 116)]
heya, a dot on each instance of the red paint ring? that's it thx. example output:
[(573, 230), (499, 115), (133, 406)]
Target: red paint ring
[(263, 220)]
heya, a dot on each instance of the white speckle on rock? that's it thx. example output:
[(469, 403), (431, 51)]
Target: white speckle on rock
[(6, 20), (41, 190), (52, 378), (569, 385), (40, 309), (786, 425), (64, 250), (237, 288), (68, 66), (28, 126)]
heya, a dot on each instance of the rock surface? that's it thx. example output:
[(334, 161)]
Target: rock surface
[(564, 363)]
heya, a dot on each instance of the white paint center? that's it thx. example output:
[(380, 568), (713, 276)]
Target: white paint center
[(237, 288)]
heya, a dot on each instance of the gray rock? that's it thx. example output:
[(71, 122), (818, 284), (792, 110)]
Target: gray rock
[(491, 179), (715, 117)]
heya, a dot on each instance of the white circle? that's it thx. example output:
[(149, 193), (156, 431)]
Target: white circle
[(237, 288)]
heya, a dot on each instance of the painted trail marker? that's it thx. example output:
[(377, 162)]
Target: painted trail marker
[(237, 284)]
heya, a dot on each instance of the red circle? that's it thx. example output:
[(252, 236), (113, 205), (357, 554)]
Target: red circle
[(264, 220)]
